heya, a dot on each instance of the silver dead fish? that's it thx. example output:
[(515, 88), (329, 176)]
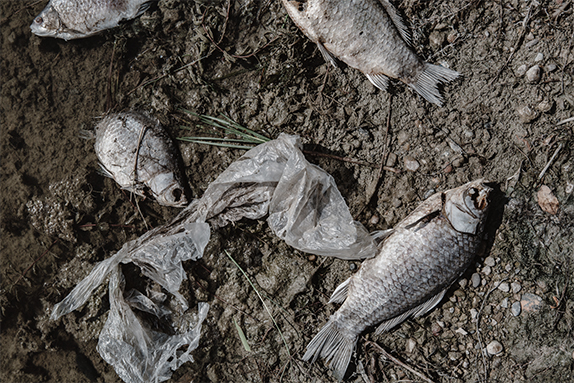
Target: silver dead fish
[(417, 262), (135, 150), (75, 19), (368, 35)]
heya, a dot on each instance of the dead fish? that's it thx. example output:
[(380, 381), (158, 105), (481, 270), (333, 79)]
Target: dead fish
[(76, 19), (136, 151), (368, 35), (416, 263)]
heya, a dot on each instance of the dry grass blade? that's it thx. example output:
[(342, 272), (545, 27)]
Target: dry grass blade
[(262, 301), (242, 336)]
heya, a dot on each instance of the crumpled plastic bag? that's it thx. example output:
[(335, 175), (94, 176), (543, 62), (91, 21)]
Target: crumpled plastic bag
[(304, 208)]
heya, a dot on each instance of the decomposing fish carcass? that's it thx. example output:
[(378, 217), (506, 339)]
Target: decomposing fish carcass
[(417, 262), (370, 36), (75, 19), (136, 151)]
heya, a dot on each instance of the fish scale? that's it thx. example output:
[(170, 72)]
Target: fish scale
[(416, 263)]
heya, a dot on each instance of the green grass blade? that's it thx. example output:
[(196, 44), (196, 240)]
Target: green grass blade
[(262, 301), (242, 336)]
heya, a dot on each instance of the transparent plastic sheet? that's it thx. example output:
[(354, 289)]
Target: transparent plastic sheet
[(305, 209)]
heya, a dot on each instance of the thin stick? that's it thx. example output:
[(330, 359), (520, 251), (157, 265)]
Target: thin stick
[(398, 362), (373, 186), (35, 261), (565, 121), (550, 162), (478, 328)]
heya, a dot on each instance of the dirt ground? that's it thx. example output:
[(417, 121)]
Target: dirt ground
[(247, 60)]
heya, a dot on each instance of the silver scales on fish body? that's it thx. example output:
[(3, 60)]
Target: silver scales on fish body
[(136, 151), (75, 19), (416, 263), (370, 36)]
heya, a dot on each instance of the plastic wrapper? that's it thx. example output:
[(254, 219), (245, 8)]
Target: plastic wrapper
[(304, 207)]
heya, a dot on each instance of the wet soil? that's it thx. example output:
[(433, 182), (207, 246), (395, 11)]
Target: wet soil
[(247, 60)]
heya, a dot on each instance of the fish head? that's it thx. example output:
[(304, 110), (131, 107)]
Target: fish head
[(49, 24), (168, 191), (466, 207)]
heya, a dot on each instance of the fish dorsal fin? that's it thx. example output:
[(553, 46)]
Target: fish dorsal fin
[(423, 221), (379, 80), (340, 293), (414, 312), (398, 21), (327, 55)]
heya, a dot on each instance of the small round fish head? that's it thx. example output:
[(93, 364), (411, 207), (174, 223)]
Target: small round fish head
[(466, 207), (48, 23), (167, 190)]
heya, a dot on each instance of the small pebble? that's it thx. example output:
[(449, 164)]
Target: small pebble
[(475, 280), (504, 287), (551, 67), (473, 313), (515, 286), (436, 39), (545, 106), (461, 331), (451, 38), (569, 188), (411, 164), (515, 309), (489, 261), (494, 348), (530, 302), (533, 74), (374, 219), (521, 70), (312, 258), (463, 282), (504, 303), (352, 266), (526, 114), (486, 270), (508, 267), (411, 344), (539, 57)]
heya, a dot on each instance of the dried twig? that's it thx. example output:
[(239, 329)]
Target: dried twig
[(478, 329), (398, 362), (550, 162)]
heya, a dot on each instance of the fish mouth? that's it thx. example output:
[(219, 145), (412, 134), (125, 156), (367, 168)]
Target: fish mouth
[(480, 196)]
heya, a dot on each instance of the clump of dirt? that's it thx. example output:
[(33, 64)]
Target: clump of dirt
[(248, 61)]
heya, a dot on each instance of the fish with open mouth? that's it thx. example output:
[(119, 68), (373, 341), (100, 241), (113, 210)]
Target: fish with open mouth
[(416, 263), (368, 35), (135, 150), (75, 19)]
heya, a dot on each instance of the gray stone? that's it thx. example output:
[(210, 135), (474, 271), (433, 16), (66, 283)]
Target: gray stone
[(515, 309), (515, 286), (494, 348), (504, 287), (489, 261), (475, 280), (530, 302)]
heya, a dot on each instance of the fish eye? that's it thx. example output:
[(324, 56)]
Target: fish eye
[(38, 20), (177, 193)]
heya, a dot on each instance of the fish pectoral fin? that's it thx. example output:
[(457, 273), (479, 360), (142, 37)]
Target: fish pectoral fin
[(104, 171), (414, 312), (423, 221), (379, 80), (340, 293), (426, 84), (144, 7), (380, 235), (327, 55), (398, 21)]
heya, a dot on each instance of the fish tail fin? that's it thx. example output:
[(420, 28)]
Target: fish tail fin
[(334, 345), (427, 82)]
